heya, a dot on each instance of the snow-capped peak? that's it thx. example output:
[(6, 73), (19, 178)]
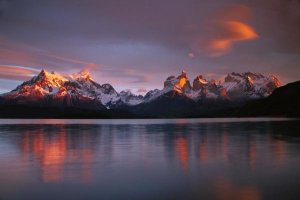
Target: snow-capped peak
[(52, 79), (181, 83), (199, 83), (253, 85), (82, 75)]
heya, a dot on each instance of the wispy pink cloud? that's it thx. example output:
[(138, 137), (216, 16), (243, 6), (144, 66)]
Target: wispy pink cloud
[(16, 72), (17, 53)]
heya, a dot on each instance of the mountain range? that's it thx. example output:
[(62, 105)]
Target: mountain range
[(50, 94)]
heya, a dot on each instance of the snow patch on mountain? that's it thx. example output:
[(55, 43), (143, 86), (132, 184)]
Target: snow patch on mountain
[(252, 85)]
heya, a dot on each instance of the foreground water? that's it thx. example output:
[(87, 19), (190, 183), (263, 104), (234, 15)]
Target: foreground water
[(150, 159)]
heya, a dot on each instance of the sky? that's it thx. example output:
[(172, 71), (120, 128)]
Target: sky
[(137, 44)]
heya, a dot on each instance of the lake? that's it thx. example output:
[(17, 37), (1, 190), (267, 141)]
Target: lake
[(234, 159)]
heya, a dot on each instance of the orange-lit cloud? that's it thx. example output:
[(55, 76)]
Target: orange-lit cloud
[(225, 28), (233, 31)]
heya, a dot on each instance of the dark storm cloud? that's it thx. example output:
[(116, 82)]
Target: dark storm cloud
[(152, 37)]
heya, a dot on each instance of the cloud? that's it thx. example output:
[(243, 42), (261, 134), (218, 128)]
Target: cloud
[(137, 76), (117, 76), (227, 27), (17, 72), (232, 32), (191, 55), (18, 53)]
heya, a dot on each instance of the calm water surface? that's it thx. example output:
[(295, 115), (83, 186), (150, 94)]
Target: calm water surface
[(234, 159)]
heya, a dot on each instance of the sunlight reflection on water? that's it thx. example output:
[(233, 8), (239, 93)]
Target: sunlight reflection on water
[(150, 159)]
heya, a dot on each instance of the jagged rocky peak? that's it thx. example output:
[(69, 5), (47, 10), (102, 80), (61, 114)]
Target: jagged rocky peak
[(233, 77), (151, 93), (128, 93), (207, 88), (45, 78), (247, 76), (251, 75), (183, 74), (108, 89), (84, 74), (254, 85), (40, 85), (129, 98), (272, 83), (183, 83), (180, 83), (199, 83), (276, 81), (170, 82), (42, 74)]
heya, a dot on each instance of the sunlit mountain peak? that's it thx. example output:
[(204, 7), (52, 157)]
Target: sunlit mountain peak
[(83, 74), (50, 79)]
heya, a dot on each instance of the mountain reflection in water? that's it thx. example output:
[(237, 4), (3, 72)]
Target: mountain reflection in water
[(242, 160)]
